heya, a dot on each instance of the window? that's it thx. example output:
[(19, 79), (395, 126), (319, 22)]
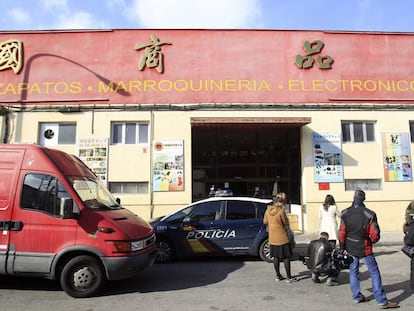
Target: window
[(128, 187), (237, 210), (43, 193), (207, 211), (129, 133), (412, 131), (52, 134), (358, 132), (363, 184)]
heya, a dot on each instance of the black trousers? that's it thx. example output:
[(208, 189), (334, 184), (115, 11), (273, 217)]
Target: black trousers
[(412, 274)]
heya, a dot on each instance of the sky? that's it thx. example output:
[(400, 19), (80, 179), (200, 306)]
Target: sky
[(342, 15)]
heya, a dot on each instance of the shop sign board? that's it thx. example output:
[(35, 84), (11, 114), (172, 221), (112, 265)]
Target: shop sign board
[(168, 165), (397, 157), (327, 157)]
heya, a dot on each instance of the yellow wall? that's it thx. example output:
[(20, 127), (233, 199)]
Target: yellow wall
[(360, 161), (132, 162)]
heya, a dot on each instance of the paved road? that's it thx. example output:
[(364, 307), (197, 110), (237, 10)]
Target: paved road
[(218, 284)]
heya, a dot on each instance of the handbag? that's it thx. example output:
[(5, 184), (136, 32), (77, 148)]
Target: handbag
[(291, 236), (408, 250)]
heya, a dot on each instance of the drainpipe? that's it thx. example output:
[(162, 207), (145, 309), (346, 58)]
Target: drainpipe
[(6, 113), (151, 185)]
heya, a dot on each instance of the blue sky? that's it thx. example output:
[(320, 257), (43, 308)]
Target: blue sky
[(353, 15)]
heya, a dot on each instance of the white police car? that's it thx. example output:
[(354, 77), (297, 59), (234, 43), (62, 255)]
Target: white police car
[(214, 226)]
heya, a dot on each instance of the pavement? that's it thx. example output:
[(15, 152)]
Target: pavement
[(388, 238), (395, 273)]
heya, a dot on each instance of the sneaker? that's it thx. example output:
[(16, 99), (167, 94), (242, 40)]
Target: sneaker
[(279, 278), (291, 280), (389, 305)]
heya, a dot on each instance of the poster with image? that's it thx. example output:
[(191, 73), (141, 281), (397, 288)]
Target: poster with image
[(168, 165), (327, 157), (94, 153), (396, 157)]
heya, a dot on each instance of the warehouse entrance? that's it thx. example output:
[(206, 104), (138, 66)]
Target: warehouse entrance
[(246, 155)]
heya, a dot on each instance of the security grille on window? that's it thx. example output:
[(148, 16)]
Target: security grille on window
[(52, 134), (363, 184), (358, 132), (129, 133), (128, 187)]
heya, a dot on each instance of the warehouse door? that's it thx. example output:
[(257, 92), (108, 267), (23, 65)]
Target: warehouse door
[(246, 155)]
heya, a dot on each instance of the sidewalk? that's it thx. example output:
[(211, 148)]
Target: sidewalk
[(388, 238)]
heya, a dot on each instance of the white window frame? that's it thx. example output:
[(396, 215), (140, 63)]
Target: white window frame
[(124, 138), (56, 132), (365, 133)]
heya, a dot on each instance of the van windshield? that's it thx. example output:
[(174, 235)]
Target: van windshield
[(94, 194)]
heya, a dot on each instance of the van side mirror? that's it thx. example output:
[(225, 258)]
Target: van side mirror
[(68, 210)]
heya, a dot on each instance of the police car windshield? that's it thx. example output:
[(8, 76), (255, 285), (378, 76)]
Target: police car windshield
[(94, 194)]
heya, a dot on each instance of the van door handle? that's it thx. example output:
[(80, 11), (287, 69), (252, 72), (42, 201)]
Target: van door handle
[(11, 225), (16, 225)]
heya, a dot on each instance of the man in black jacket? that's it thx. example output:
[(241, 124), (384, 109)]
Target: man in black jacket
[(321, 260), (358, 231), (409, 240)]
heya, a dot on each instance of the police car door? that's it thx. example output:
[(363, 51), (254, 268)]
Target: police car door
[(203, 232), (241, 226)]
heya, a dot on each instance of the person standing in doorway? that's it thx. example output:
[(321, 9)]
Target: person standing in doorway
[(328, 215), (358, 231), (276, 220)]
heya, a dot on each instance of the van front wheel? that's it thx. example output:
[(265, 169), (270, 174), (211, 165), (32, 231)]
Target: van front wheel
[(82, 277)]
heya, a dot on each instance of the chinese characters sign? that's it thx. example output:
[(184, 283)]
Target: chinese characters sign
[(311, 49), (94, 153), (152, 58), (327, 157), (11, 55), (397, 160), (168, 165), (293, 67)]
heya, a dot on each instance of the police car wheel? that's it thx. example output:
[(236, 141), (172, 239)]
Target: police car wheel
[(264, 251), (165, 251)]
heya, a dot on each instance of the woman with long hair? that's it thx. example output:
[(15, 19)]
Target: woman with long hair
[(328, 217)]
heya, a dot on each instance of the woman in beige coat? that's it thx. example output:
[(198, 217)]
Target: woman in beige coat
[(276, 220)]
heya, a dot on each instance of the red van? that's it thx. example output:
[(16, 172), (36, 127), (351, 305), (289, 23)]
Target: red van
[(58, 221)]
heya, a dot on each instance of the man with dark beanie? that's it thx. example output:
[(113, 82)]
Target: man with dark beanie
[(358, 231)]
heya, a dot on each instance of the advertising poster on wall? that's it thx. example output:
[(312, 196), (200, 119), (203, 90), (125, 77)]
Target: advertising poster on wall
[(397, 159), (94, 153), (168, 165), (327, 157)]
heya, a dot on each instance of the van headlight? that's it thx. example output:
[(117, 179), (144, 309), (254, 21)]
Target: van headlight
[(137, 245), (133, 246)]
